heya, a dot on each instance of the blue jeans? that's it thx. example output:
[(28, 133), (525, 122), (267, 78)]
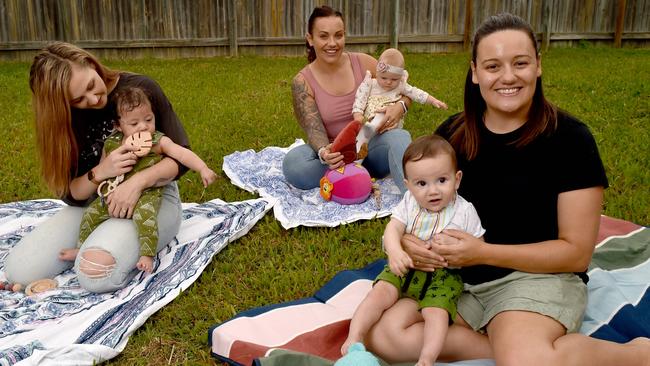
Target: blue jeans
[(36, 255), (302, 168)]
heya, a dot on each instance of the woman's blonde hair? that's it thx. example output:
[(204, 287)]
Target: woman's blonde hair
[(49, 80)]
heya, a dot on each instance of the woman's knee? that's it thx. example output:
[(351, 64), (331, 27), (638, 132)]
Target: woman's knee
[(99, 271), (302, 170), (95, 263)]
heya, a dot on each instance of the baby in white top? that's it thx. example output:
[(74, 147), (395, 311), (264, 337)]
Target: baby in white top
[(373, 95)]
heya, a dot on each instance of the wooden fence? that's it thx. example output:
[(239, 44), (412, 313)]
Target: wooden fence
[(195, 28)]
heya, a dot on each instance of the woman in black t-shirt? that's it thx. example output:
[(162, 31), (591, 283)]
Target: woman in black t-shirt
[(536, 179), (71, 93)]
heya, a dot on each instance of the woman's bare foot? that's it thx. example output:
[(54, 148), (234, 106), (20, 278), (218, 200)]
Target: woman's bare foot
[(8, 286), (68, 254)]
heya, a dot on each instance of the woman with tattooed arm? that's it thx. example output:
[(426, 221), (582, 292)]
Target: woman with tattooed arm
[(323, 95)]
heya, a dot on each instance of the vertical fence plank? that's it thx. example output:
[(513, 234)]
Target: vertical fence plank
[(232, 28), (467, 31), (394, 24), (620, 21), (546, 24)]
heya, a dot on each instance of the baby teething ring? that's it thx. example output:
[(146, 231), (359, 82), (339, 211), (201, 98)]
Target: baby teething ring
[(141, 140), (39, 286)]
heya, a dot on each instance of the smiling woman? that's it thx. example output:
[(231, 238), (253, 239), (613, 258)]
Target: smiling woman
[(323, 95), (506, 75), (87, 89), (71, 93), (535, 176)]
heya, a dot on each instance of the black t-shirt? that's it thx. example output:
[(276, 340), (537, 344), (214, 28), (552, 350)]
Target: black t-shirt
[(92, 126), (515, 190)]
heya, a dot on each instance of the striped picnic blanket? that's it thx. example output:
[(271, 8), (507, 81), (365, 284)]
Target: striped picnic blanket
[(313, 329)]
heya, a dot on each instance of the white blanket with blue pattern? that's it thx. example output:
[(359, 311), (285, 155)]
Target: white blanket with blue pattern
[(261, 173), (71, 326)]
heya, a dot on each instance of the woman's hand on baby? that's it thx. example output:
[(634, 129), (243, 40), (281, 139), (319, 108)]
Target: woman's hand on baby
[(123, 199), (423, 257), (392, 115), (458, 247), (207, 176), (119, 161), (333, 159), (399, 262)]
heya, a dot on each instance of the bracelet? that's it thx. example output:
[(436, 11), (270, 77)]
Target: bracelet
[(319, 157), (403, 106), (91, 177)]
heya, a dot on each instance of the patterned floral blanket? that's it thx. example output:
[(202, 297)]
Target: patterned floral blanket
[(74, 327), (261, 173)]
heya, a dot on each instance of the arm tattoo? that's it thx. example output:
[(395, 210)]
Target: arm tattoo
[(306, 111)]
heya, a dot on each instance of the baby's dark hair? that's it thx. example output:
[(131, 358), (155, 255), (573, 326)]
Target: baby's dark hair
[(128, 99), (428, 146)]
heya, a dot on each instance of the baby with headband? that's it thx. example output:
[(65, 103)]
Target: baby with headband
[(373, 95)]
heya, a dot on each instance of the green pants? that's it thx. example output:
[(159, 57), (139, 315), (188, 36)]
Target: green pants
[(145, 217), (439, 289)]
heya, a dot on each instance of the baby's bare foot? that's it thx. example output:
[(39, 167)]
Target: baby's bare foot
[(145, 264), (348, 342), (68, 254)]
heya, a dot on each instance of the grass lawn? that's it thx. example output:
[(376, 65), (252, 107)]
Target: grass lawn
[(245, 103)]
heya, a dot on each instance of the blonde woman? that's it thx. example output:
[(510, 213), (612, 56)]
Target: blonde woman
[(71, 93)]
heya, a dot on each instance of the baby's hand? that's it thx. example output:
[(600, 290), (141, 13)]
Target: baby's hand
[(145, 264), (208, 176), (437, 103), (399, 263)]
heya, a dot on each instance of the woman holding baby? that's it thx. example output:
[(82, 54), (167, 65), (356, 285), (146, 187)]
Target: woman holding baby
[(323, 95), (71, 93)]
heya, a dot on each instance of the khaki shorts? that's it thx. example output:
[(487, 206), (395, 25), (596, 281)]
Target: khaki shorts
[(562, 297)]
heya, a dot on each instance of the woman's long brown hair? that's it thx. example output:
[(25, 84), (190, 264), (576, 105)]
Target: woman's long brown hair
[(49, 80)]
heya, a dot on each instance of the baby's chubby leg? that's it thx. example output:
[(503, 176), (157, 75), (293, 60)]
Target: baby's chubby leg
[(436, 324), (381, 297), (368, 131)]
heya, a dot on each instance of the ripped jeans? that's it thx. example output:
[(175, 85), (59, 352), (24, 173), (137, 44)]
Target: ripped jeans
[(36, 255)]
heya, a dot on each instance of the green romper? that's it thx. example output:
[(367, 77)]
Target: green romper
[(145, 213), (441, 288)]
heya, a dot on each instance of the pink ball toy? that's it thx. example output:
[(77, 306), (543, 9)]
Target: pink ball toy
[(348, 185)]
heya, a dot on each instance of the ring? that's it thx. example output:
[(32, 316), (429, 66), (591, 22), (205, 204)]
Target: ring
[(417, 263)]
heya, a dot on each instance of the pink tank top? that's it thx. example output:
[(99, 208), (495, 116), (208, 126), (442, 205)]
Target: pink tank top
[(335, 110)]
